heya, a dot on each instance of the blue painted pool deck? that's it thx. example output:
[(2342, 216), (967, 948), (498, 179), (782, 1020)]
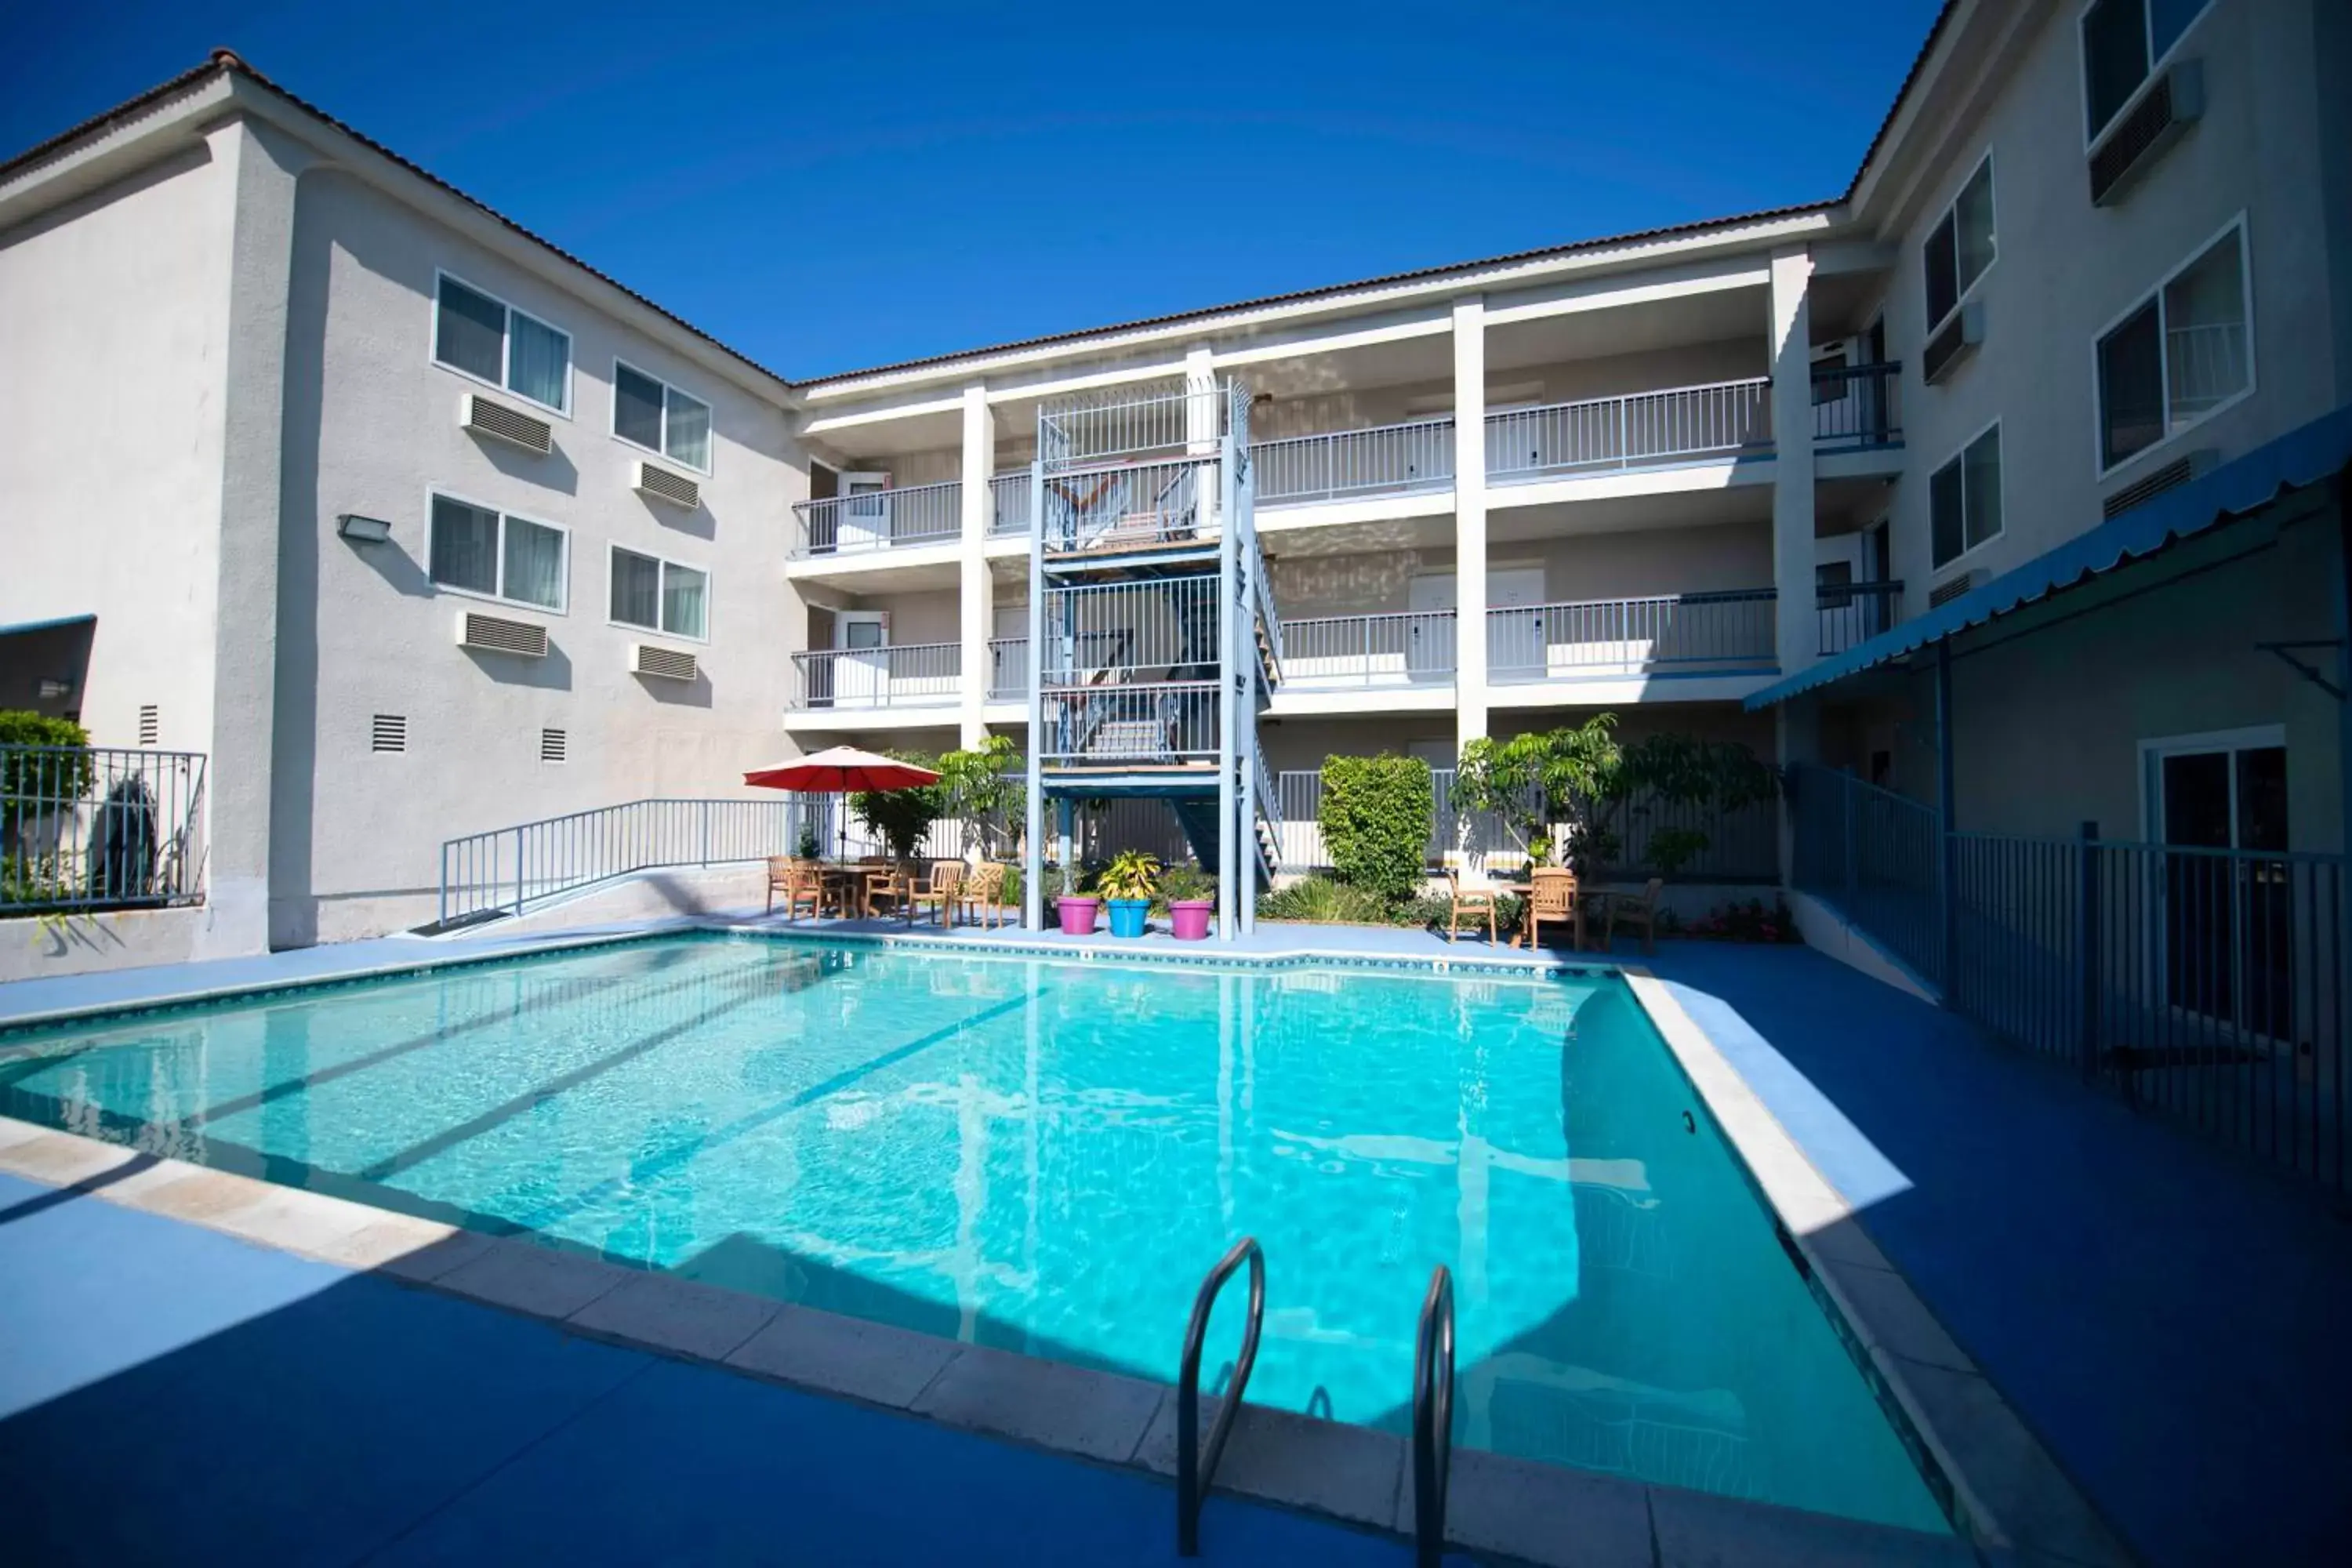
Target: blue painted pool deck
[(2170, 1316)]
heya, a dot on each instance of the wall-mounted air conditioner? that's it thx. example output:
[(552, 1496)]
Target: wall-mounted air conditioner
[(2156, 481), (480, 416), (495, 634), (1949, 348), (1944, 592), (662, 663), (664, 486), (2173, 102)]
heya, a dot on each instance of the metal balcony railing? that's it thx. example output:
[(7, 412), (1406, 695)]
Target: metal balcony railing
[(1645, 429), (1390, 459), (1008, 669), (1140, 506), (1855, 407), (1410, 649), (879, 519), (909, 675), (1131, 424), (1111, 632), (100, 828), (1676, 634), (1173, 722), (1853, 613), (1008, 503)]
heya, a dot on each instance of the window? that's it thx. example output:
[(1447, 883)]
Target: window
[(2179, 355), (474, 549), (660, 418), (491, 342), (659, 595), (1960, 247), (2124, 41), (1964, 500)]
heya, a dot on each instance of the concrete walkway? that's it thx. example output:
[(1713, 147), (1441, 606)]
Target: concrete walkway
[(2174, 1321), (168, 1393)]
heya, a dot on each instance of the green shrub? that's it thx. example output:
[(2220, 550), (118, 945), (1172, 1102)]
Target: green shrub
[(1131, 873), (29, 779), (1375, 814), (1184, 881), (1326, 902), (900, 817)]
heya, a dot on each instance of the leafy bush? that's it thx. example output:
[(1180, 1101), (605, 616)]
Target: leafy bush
[(900, 817), (1181, 882), (1327, 903), (29, 779), (1131, 873), (1750, 921), (975, 787), (1375, 814)]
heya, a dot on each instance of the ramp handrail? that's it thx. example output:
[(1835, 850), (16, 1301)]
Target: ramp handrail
[(1193, 1468)]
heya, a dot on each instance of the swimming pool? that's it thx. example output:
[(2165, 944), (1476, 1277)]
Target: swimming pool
[(1045, 1155)]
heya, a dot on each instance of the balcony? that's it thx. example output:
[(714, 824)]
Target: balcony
[(1343, 652), (1854, 408), (1670, 635), (1008, 504), (1727, 419), (912, 675), (892, 519), (1853, 613), (1008, 669), (1159, 724), (1348, 464)]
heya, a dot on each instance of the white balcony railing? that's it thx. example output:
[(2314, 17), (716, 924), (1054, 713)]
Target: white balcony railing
[(1676, 634), (909, 675), (1008, 669), (1410, 650), (1646, 429), (1390, 459), (1008, 503), (879, 519)]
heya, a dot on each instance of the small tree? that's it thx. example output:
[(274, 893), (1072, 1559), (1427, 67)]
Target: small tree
[(1375, 814), (978, 789), (32, 781), (900, 817), (1531, 781)]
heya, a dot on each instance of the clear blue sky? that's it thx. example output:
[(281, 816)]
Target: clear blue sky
[(832, 186)]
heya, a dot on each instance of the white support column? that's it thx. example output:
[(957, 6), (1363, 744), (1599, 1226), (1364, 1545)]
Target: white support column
[(1796, 620), (1469, 519), (1033, 880), (978, 609)]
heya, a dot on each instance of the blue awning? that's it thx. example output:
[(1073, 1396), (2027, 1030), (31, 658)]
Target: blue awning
[(2302, 458), (49, 626)]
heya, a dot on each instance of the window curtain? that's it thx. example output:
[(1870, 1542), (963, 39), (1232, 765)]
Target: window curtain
[(683, 591), (469, 331), (538, 360), (636, 407), (464, 550), (690, 430), (637, 590), (534, 563), (2205, 331)]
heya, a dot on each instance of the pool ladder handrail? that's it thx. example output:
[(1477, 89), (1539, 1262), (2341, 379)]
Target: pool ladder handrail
[(1432, 1419), (1193, 1468)]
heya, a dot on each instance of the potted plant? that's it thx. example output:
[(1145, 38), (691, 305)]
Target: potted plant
[(1188, 909), (1076, 911), (1129, 882)]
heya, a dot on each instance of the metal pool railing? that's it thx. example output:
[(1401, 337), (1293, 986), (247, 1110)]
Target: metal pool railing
[(1196, 1468), (85, 828), (507, 870)]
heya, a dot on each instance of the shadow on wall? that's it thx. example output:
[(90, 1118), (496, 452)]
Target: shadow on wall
[(551, 673), (698, 523), (695, 693), (555, 471)]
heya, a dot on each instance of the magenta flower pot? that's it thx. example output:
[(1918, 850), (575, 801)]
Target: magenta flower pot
[(1188, 919), (1077, 915)]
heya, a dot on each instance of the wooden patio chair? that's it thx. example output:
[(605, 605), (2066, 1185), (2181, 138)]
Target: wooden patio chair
[(1551, 896), (886, 888), (938, 891), (802, 887), (981, 895), (780, 877), (1641, 911), (1472, 902)]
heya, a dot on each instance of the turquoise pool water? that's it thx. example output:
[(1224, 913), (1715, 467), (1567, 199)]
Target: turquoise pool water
[(1046, 1155)]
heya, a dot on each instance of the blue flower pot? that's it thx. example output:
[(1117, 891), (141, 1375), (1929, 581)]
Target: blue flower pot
[(1126, 916)]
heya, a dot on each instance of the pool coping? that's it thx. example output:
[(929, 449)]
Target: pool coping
[(2005, 1495)]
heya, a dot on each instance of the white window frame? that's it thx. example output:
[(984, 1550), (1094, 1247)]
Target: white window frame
[(1950, 210), (2099, 465), (667, 386), (563, 607), (506, 346), (2091, 138), (1957, 454), (661, 588)]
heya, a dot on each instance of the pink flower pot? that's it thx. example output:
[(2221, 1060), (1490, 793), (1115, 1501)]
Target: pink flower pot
[(1077, 915), (1188, 919)]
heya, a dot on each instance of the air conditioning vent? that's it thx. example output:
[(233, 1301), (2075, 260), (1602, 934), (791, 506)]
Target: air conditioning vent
[(1947, 349), (495, 634), (150, 724), (665, 663), (2173, 102), (499, 423), (2153, 483), (664, 486), (389, 732), (552, 745), (1943, 594)]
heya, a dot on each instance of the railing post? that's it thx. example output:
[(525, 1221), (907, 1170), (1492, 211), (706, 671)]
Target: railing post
[(705, 835), (518, 871), (2088, 944)]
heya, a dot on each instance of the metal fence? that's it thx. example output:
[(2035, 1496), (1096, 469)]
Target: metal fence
[(2208, 985), (1854, 408), (97, 828), (1140, 506), (1644, 429), (1008, 503), (509, 869), (1388, 459), (1169, 722), (1685, 632), (1132, 422), (879, 519), (1368, 650), (1008, 669), (903, 675), (1109, 631), (1853, 613)]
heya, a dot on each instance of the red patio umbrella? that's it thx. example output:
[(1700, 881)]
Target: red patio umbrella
[(842, 769)]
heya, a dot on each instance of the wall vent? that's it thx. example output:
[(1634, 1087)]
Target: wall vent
[(2173, 102), (665, 663), (664, 486), (551, 745), (2156, 481), (499, 423), (150, 725), (1949, 349), (1943, 594), (495, 634), (389, 732)]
